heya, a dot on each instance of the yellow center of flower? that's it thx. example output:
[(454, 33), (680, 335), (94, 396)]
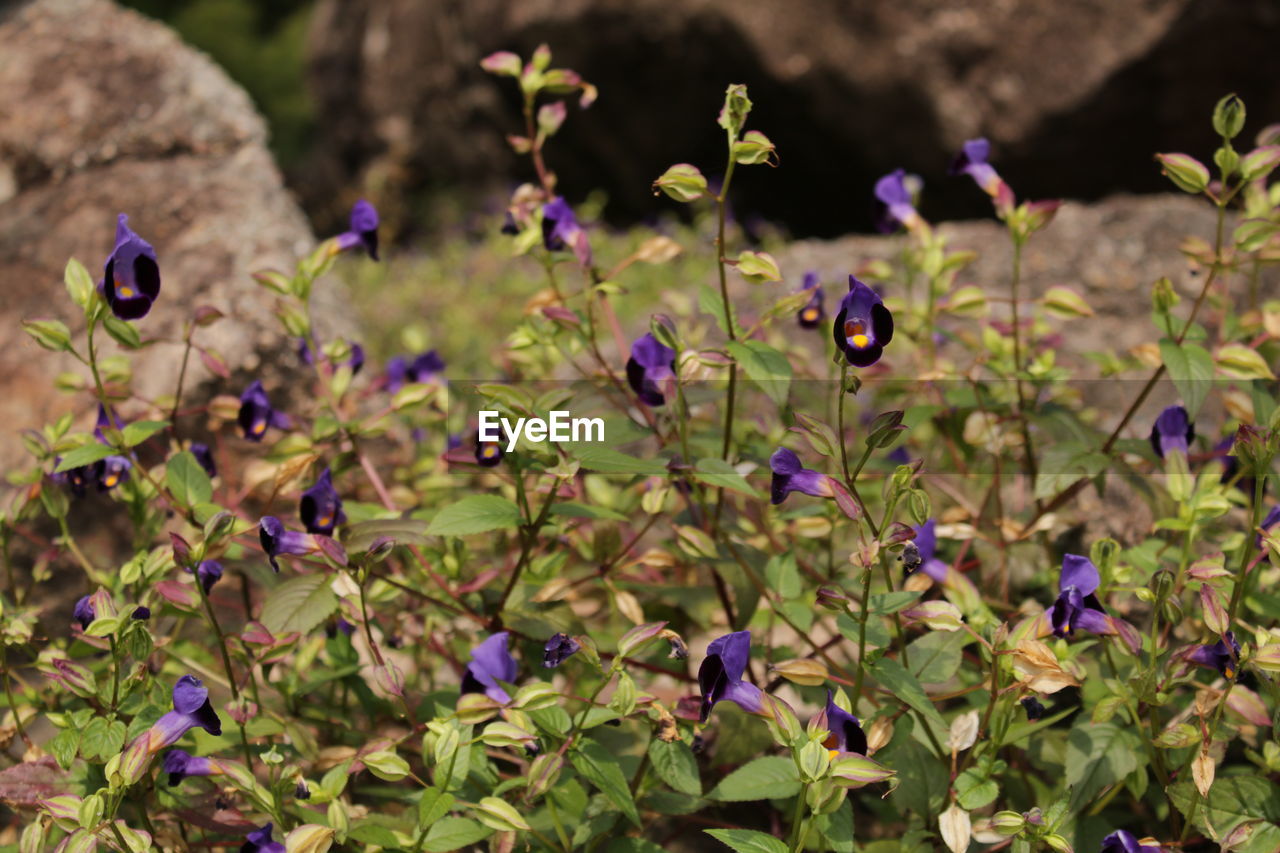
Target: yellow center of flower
[(856, 333), (259, 427), (809, 315), (1229, 671), (324, 521), (113, 478), (833, 754), (125, 290), (489, 451)]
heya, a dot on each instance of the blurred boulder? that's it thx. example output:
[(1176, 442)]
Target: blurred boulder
[(103, 111), (1075, 96)]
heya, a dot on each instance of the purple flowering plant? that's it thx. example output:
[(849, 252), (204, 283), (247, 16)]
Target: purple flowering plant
[(875, 618)]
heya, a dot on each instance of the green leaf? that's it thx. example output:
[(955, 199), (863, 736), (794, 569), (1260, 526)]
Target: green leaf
[(768, 778), (922, 778), (674, 763), (186, 480), (902, 684), (758, 267), (600, 767), (721, 475), (748, 840), (475, 514), (64, 747), (1232, 800), (403, 531), (85, 454), (124, 332), (299, 604), (434, 805), (139, 431), (975, 790), (885, 603), (373, 833), (1098, 755), (101, 739), (632, 845), (765, 366), (605, 460), (454, 833), (1241, 362), (51, 334), (1191, 369), (79, 283), (935, 657)]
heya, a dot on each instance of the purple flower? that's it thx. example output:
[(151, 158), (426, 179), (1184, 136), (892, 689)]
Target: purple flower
[(1173, 430), (423, 368), (488, 453), (320, 508), (558, 650), (789, 476), (1077, 607), (111, 472), (650, 365), (277, 540), (561, 231), (131, 276), (301, 791), (1121, 841), (720, 675), (972, 161), (1032, 706), (191, 709), (83, 612), (259, 841), (106, 473), (355, 359), (1222, 655), (204, 456), (927, 544), (363, 230), (894, 205), (208, 573), (812, 314), (863, 327), (490, 663), (141, 613), (180, 765), (256, 413), (846, 732)]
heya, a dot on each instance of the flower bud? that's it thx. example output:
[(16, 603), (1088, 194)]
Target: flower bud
[(1007, 822), (682, 182), (1186, 172), (1228, 117), (831, 598), (1057, 842), (803, 671)]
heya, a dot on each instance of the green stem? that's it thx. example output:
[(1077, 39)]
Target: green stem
[(797, 821), (226, 665), (862, 634), (729, 325)]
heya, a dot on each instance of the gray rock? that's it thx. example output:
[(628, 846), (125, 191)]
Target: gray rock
[(1075, 96), (103, 111)]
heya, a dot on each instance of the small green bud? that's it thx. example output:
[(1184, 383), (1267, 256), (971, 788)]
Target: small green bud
[(683, 182), (733, 116), (1228, 117), (1186, 172)]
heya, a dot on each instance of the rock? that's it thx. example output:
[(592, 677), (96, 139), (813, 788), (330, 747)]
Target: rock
[(1076, 97), (103, 111)]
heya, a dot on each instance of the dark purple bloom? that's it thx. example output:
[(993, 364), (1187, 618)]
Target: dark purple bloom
[(259, 841), (111, 472), (423, 368), (83, 612), (141, 613), (180, 765), (301, 791), (561, 231), (488, 453), (131, 277), (320, 508), (208, 573), (650, 365), (559, 649), (972, 161), (277, 540), (927, 544), (1222, 655), (846, 732), (894, 205), (490, 663), (191, 709), (720, 675), (1032, 706), (1121, 841), (1077, 607), (812, 314), (1173, 430), (75, 479), (204, 456), (863, 327), (789, 476), (363, 230), (256, 413)]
